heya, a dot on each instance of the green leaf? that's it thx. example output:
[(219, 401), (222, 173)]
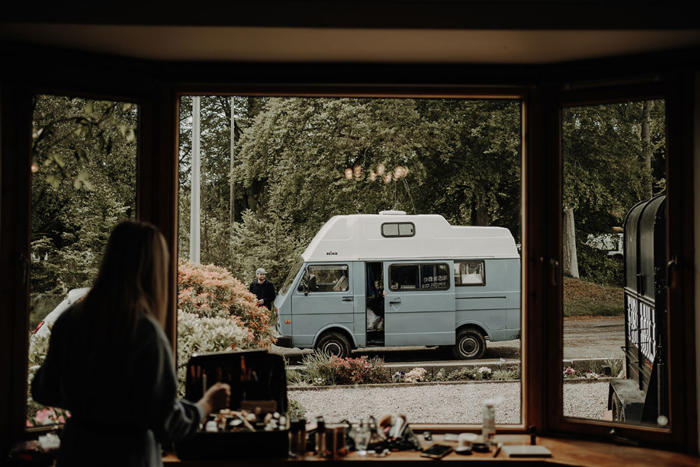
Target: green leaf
[(127, 106), (78, 129), (90, 107), (59, 160), (130, 135), (122, 129), (77, 184)]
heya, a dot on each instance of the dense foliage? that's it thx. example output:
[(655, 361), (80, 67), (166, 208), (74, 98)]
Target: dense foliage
[(84, 182), (299, 161)]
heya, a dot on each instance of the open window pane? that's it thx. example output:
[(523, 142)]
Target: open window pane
[(83, 183), (299, 164), (614, 262)]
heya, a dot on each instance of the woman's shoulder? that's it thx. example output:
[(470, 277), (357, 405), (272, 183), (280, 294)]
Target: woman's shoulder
[(149, 327)]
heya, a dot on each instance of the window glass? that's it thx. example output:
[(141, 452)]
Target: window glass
[(435, 276), (419, 276), (470, 273), (273, 170), (329, 278), (402, 229), (614, 262), (83, 183)]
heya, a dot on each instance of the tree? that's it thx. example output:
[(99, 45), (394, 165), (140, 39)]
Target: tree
[(607, 166), (84, 164)]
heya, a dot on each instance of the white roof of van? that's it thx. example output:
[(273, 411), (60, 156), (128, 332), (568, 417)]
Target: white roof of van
[(359, 237)]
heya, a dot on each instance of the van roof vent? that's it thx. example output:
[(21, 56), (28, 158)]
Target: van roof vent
[(392, 213)]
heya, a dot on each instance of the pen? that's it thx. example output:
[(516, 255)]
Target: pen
[(498, 449)]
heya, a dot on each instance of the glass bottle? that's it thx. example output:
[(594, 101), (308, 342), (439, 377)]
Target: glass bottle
[(362, 436), (297, 434), (321, 449), (488, 428)]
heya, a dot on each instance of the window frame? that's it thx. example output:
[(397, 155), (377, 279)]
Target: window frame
[(681, 431), (540, 91), (398, 229), (15, 177)]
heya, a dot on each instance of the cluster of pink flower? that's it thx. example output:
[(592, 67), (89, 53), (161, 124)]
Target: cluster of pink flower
[(569, 372), (209, 290), (48, 416), (350, 370)]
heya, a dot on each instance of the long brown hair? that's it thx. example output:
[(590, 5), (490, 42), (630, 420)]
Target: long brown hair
[(132, 280)]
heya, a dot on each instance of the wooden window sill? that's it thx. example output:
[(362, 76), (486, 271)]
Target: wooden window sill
[(565, 452)]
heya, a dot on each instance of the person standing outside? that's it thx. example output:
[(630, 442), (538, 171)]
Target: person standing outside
[(263, 289)]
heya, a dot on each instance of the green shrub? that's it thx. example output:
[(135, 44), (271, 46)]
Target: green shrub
[(295, 409), (596, 266)]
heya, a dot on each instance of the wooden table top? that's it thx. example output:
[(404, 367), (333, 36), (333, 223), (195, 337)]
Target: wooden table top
[(565, 452)]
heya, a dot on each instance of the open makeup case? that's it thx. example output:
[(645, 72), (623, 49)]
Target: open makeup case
[(259, 387)]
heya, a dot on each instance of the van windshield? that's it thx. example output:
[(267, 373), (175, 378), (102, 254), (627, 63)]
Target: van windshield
[(290, 277)]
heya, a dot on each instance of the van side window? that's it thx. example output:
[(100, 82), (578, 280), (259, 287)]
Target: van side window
[(470, 273), (419, 276), (330, 277), (398, 229)]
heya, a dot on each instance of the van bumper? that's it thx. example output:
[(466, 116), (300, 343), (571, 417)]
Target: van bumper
[(284, 341)]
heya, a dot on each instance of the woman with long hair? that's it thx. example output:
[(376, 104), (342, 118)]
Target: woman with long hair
[(110, 364)]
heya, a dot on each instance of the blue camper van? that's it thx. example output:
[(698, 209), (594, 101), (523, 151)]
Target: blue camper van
[(391, 279)]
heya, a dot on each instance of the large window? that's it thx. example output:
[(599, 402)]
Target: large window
[(621, 190), (263, 175), (294, 174), (83, 183)]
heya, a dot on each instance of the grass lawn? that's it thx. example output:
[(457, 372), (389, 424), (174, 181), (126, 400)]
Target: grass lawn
[(588, 299)]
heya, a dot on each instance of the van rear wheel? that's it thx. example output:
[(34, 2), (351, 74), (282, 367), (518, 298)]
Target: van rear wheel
[(470, 345), (334, 343)]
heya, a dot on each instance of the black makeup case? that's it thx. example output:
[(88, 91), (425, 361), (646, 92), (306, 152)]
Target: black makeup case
[(258, 383)]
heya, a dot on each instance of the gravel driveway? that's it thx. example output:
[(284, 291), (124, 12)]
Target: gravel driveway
[(441, 403)]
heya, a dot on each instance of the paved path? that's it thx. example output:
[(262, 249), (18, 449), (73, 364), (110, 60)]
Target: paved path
[(583, 339)]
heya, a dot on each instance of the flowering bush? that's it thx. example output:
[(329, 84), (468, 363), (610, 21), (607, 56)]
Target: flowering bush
[(48, 416), (399, 377), (415, 375), (37, 414), (211, 291), (199, 335), (322, 370), (569, 372)]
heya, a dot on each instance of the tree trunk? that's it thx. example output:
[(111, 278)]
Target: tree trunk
[(646, 144), (480, 216), (570, 261)]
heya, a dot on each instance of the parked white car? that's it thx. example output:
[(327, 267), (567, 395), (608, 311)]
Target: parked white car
[(43, 329)]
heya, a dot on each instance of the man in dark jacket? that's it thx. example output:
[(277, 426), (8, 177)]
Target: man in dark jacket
[(263, 289)]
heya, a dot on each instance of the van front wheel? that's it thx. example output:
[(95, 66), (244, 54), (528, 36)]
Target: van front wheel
[(334, 343), (470, 345)]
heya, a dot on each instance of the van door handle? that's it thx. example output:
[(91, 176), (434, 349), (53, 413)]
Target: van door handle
[(395, 301), (348, 299)]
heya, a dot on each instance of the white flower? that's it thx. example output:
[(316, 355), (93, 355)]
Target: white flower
[(485, 369)]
